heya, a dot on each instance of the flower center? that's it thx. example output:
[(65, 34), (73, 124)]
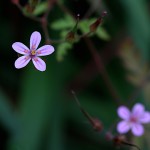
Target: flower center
[(133, 119), (33, 52)]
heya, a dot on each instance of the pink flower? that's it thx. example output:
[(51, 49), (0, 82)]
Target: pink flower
[(33, 53), (133, 120)]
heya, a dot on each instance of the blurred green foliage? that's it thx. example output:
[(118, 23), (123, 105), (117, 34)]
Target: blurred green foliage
[(40, 8), (37, 110), (64, 25)]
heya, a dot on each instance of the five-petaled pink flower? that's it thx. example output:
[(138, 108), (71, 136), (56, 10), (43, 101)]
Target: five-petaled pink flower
[(32, 53), (133, 120)]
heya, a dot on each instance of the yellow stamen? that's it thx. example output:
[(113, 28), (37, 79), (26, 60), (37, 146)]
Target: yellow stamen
[(33, 52)]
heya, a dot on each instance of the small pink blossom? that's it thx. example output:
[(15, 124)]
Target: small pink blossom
[(133, 119), (32, 53)]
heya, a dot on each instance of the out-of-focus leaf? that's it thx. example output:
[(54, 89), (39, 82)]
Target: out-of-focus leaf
[(41, 95), (40, 8), (62, 50), (138, 24), (60, 72), (68, 23), (64, 33), (84, 26), (33, 108), (132, 60), (32, 4), (64, 23), (98, 109), (8, 118), (102, 34), (56, 135), (141, 142)]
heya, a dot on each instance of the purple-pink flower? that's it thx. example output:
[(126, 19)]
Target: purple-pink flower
[(32, 53), (133, 119)]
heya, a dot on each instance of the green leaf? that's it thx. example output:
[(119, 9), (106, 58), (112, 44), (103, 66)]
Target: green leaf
[(63, 23), (63, 33), (102, 34), (33, 3), (33, 108), (40, 8), (85, 24), (62, 50)]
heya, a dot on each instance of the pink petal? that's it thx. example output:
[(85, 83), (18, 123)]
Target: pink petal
[(123, 112), (20, 48), (145, 118), (138, 110), (39, 64), (22, 62), (137, 129), (35, 40), (45, 50), (123, 127)]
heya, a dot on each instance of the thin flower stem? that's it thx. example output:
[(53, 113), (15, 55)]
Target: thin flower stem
[(96, 123), (19, 7), (50, 3), (82, 110), (78, 37), (44, 22), (102, 71), (130, 144), (45, 29)]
